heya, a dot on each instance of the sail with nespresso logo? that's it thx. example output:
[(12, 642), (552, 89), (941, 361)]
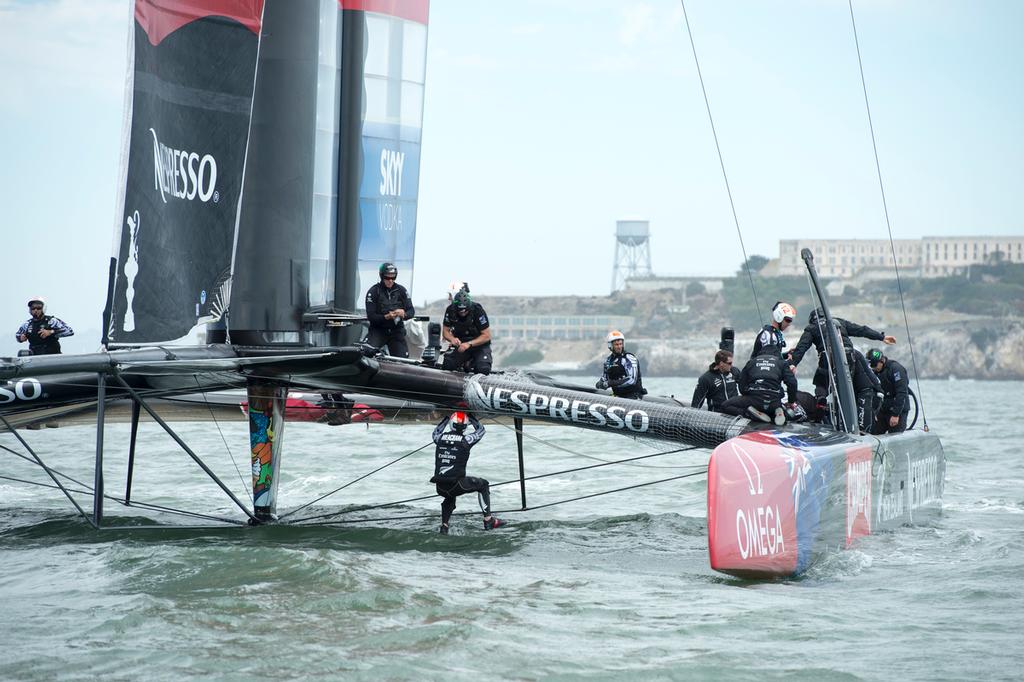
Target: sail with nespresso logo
[(189, 96)]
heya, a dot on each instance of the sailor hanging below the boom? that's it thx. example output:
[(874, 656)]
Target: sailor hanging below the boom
[(450, 458), (621, 370)]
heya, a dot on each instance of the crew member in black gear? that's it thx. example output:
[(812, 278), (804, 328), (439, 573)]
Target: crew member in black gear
[(892, 415), (865, 386), (771, 334), (622, 370), (813, 336), (718, 384), (43, 332), (387, 306), (450, 459), (468, 331), (761, 384)]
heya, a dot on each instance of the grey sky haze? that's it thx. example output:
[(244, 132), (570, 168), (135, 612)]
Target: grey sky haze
[(547, 120)]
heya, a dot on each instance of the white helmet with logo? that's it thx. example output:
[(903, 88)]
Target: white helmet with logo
[(37, 299), (783, 310), (613, 336)]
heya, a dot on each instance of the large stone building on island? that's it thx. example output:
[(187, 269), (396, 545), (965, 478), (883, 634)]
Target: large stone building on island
[(872, 258)]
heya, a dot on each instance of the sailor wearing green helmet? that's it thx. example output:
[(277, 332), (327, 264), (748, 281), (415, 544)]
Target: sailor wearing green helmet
[(468, 330), (892, 416)]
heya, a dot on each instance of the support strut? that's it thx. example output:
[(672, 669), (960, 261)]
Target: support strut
[(518, 423)]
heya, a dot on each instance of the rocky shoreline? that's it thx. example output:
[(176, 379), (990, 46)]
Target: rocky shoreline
[(965, 349)]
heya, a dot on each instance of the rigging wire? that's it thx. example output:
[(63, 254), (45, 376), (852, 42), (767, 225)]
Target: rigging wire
[(700, 469), (721, 162), (519, 511), (556, 446), (354, 481), (246, 487), (885, 207)]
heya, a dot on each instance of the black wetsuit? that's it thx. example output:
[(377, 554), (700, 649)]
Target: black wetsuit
[(716, 388), (768, 336), (865, 385), (450, 458), (896, 403), (381, 300), (466, 328), (622, 375), (51, 344), (812, 336), (761, 383)]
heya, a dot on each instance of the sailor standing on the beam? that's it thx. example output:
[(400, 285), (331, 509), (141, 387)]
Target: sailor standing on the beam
[(450, 459)]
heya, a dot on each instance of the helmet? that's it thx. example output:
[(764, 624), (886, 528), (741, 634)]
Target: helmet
[(815, 314), (462, 300), (459, 420), (780, 311), (874, 356), (615, 336), (37, 299), (455, 287), (388, 270)]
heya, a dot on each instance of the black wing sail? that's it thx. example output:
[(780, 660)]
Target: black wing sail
[(190, 87)]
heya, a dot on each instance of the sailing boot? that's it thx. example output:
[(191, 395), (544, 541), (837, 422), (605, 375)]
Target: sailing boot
[(758, 415), (443, 530), (494, 522), (780, 416)]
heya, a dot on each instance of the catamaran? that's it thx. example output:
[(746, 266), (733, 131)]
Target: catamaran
[(270, 163)]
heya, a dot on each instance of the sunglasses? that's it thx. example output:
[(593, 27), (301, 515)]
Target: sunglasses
[(726, 362), (35, 307), (389, 279)]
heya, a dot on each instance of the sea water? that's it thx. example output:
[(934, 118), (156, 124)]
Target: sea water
[(613, 586)]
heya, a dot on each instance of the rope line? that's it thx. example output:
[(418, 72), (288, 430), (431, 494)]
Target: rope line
[(405, 517), (245, 486), (354, 481), (702, 470), (885, 208), (721, 162)]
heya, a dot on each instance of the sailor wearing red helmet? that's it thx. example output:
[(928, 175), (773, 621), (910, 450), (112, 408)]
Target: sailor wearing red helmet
[(450, 458)]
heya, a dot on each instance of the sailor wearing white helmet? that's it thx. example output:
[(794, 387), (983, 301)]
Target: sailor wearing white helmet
[(621, 370)]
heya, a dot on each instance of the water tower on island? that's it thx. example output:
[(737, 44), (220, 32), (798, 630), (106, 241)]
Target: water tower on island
[(632, 251)]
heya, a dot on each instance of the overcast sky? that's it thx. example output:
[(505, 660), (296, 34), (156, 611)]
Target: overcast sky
[(548, 120)]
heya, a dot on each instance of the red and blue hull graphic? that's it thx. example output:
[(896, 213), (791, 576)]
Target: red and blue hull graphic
[(777, 500)]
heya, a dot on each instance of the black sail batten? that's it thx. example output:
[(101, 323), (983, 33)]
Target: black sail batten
[(192, 80)]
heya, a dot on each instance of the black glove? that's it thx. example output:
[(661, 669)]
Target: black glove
[(601, 383)]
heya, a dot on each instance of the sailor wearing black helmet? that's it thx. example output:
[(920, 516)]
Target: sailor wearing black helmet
[(892, 416), (387, 305), (468, 330), (43, 332), (450, 458), (771, 334), (621, 370), (813, 336)]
